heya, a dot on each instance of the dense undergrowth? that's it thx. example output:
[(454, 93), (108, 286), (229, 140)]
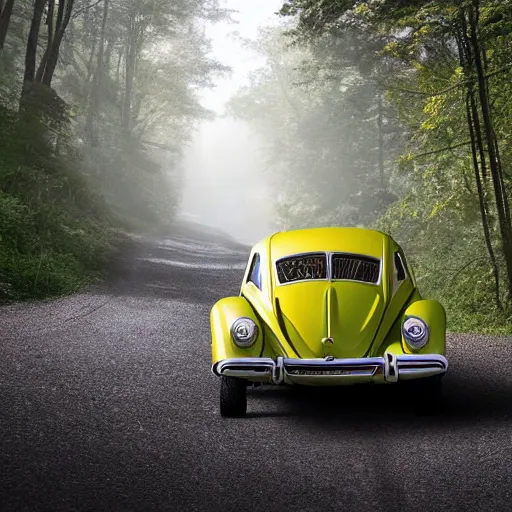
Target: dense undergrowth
[(468, 298), (451, 265), (55, 233)]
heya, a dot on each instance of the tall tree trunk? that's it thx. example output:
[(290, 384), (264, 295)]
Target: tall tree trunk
[(90, 39), (128, 91), (97, 84), (33, 36), (108, 54), (63, 17), (5, 18), (502, 206), (134, 35), (118, 67), (44, 60), (91, 59), (470, 111), (477, 148), (381, 141), (467, 63)]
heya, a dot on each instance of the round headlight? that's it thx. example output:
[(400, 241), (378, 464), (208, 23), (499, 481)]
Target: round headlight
[(244, 332), (415, 332)]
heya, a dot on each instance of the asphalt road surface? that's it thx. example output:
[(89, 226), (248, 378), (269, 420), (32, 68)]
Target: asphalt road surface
[(108, 403)]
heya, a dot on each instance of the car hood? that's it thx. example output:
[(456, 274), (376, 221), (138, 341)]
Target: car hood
[(338, 318)]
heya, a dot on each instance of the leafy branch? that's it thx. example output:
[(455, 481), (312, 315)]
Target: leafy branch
[(452, 87)]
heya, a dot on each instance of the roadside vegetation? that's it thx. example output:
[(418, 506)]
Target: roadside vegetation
[(97, 99), (388, 114), (397, 115)]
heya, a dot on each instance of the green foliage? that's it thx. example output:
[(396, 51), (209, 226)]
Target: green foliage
[(46, 251), (448, 255), (53, 235)]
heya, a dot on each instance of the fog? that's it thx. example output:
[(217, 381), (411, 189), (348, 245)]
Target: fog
[(223, 169), (225, 185)]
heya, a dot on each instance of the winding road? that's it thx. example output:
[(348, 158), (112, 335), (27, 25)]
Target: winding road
[(108, 403)]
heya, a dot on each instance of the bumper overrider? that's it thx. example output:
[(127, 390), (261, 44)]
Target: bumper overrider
[(331, 371)]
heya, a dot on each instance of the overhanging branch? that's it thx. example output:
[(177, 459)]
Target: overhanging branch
[(452, 87), (81, 11), (441, 150)]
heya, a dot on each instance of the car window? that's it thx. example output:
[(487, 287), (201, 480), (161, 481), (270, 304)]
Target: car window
[(355, 268), (303, 267), (255, 271), (399, 267)]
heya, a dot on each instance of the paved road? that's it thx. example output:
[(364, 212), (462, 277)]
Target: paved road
[(107, 403)]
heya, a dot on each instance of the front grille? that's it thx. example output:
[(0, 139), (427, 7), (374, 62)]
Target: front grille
[(355, 268), (300, 268)]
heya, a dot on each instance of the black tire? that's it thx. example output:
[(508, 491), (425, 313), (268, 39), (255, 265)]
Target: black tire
[(233, 397)]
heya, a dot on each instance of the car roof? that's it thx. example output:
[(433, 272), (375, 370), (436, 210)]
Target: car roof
[(327, 239)]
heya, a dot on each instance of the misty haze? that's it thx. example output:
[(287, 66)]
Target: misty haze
[(225, 184)]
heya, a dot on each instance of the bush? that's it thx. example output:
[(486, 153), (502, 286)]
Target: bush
[(55, 231), (43, 254), (451, 265)]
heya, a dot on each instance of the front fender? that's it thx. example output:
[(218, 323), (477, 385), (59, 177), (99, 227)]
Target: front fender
[(222, 316), (433, 314)]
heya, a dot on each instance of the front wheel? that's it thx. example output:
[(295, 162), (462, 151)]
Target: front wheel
[(233, 397)]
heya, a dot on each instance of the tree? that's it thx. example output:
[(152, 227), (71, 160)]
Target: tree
[(5, 18), (33, 37), (48, 64), (453, 51), (333, 135)]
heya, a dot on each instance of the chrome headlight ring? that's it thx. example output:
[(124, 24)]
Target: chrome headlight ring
[(415, 332), (244, 332)]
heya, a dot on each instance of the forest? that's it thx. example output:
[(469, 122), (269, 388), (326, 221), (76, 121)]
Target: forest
[(389, 114), (97, 99), (396, 115)]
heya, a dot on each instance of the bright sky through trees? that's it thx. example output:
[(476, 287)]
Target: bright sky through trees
[(223, 166), (229, 50)]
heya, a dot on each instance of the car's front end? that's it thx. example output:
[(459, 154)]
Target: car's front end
[(348, 313)]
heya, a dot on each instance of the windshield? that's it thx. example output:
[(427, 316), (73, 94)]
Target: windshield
[(334, 266)]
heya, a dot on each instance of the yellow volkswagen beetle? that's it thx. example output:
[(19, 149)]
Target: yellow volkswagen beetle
[(326, 307)]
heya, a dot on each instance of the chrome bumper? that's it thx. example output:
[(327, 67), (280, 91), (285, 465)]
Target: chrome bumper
[(330, 371)]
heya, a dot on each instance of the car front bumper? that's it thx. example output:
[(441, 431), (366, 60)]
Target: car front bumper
[(330, 371)]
